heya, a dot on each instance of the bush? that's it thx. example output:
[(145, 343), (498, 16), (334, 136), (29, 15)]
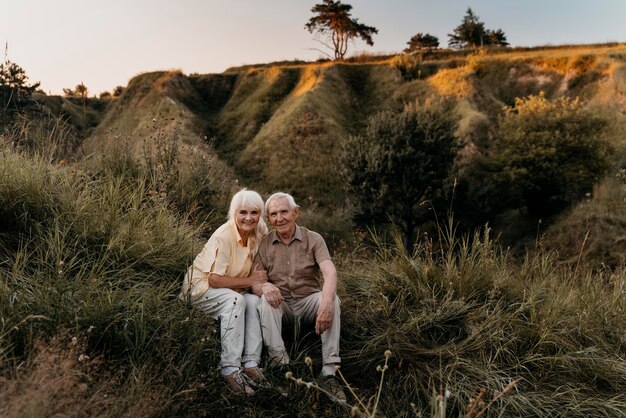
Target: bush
[(550, 153), (396, 168)]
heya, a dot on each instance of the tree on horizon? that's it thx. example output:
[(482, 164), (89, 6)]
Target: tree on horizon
[(15, 91), (333, 22), (471, 33), (422, 42)]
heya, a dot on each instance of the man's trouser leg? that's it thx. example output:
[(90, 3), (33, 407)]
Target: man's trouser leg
[(230, 308), (307, 308), (272, 325)]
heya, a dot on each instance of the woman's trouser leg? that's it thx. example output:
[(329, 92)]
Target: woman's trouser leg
[(230, 308), (253, 341)]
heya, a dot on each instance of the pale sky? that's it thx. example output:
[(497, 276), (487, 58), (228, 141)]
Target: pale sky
[(103, 44)]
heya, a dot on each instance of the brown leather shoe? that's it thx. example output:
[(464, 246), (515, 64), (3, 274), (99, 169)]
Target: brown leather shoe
[(256, 377), (237, 384), (332, 386)]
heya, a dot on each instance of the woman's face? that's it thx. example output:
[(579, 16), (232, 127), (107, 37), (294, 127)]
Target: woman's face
[(247, 220)]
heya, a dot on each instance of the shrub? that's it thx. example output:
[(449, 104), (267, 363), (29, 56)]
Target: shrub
[(409, 66), (400, 163), (551, 152)]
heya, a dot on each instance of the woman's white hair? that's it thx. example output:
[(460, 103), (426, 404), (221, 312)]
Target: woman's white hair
[(250, 200)]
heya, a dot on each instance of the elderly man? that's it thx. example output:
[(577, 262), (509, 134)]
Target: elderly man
[(295, 259)]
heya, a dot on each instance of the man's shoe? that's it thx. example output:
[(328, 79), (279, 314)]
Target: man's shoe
[(237, 384), (332, 387), (255, 377)]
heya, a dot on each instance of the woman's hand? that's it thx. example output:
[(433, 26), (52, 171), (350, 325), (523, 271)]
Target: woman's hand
[(257, 276)]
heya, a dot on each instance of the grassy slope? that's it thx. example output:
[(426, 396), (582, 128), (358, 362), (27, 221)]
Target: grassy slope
[(91, 322), (281, 126), (100, 259)]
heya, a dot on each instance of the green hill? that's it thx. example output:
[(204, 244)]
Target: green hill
[(93, 248), (283, 126)]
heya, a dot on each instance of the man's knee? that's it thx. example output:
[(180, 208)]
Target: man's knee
[(263, 305)]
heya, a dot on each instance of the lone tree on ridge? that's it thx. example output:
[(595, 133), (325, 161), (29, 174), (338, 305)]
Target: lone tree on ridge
[(333, 22), (422, 42), (471, 33)]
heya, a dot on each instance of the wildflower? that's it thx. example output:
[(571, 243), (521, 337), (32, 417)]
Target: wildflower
[(83, 357)]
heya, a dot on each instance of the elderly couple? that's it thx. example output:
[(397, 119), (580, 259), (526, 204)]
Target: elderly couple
[(252, 280)]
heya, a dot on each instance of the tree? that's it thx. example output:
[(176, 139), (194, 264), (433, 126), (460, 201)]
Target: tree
[(117, 91), (422, 42), (497, 38), (471, 33), (15, 92), (81, 90), (400, 162), (333, 22), (549, 153)]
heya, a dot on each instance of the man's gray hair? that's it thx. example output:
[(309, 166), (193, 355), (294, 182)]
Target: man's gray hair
[(280, 195)]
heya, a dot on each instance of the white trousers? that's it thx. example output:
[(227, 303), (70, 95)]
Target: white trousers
[(306, 309), (240, 328)]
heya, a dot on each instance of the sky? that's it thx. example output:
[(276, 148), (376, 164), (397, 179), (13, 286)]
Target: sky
[(103, 44)]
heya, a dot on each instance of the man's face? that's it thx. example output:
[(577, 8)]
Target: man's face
[(281, 217)]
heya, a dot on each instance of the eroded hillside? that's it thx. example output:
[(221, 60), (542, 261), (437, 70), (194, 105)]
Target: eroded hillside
[(283, 127)]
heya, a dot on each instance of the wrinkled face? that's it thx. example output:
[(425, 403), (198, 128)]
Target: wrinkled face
[(247, 220), (282, 217)]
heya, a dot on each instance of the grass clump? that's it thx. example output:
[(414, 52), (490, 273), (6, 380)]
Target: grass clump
[(466, 320), (97, 257)]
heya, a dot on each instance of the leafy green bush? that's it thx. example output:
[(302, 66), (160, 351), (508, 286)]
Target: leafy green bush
[(396, 168), (550, 152)]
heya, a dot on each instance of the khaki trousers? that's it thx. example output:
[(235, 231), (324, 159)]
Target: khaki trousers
[(240, 328), (306, 309)]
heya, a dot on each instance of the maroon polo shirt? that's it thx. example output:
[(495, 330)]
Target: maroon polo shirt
[(293, 268)]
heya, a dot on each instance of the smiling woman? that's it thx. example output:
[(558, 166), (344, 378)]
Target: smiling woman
[(218, 284)]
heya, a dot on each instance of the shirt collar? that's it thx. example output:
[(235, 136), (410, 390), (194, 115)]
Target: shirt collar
[(297, 235), (233, 229)]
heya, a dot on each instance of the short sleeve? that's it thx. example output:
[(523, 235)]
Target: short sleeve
[(215, 257), (320, 249)]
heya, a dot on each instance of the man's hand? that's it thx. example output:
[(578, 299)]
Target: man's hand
[(272, 294), (325, 315)]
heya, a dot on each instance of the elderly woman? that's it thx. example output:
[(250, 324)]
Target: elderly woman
[(218, 284)]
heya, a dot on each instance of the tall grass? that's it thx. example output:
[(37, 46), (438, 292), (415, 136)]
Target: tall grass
[(91, 268), (98, 257), (468, 319)]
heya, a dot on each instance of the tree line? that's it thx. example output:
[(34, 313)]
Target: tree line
[(334, 28)]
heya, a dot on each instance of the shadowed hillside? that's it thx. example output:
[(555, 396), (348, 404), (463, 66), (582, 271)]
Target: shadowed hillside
[(284, 126), (291, 113)]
